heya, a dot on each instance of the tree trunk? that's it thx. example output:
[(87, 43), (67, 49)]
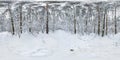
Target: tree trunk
[(21, 18), (94, 27), (47, 28), (30, 19), (53, 21), (86, 22), (11, 18), (106, 23), (98, 9), (74, 23), (103, 29), (115, 22)]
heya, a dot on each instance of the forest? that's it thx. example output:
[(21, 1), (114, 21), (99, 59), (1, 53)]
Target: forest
[(59, 30), (101, 18)]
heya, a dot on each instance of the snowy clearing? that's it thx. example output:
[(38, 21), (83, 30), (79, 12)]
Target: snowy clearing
[(59, 45)]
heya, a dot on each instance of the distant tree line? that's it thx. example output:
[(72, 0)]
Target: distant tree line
[(101, 18)]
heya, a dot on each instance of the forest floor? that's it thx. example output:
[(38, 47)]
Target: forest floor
[(59, 45)]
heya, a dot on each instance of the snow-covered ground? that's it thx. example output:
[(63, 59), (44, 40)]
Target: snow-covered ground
[(59, 45)]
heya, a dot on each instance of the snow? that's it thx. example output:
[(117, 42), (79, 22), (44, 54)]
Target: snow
[(60, 45)]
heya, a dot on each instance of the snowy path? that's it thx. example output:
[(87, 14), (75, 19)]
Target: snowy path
[(57, 46)]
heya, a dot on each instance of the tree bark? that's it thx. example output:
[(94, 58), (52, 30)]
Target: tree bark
[(47, 28), (74, 23), (115, 21), (106, 23), (30, 19), (21, 18), (11, 18), (103, 29), (98, 9)]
